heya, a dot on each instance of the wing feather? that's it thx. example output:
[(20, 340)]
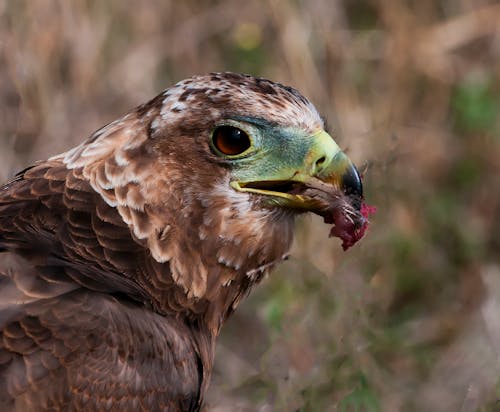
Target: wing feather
[(74, 286)]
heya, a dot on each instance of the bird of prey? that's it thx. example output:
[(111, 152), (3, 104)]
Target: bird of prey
[(122, 257)]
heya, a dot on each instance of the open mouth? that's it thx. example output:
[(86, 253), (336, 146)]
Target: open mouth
[(284, 193), (338, 206), (278, 186)]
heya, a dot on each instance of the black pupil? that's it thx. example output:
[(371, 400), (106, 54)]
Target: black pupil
[(231, 140)]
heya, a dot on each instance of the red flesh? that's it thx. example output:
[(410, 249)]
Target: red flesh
[(347, 229)]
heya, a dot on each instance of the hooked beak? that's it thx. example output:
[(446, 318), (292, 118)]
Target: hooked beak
[(324, 162)]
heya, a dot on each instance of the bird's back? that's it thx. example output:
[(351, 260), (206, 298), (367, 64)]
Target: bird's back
[(68, 339)]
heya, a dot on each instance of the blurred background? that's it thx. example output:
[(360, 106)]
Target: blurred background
[(407, 320)]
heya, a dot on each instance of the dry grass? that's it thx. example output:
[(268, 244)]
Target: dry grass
[(409, 319)]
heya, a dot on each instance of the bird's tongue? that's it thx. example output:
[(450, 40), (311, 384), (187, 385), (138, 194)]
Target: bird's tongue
[(346, 228)]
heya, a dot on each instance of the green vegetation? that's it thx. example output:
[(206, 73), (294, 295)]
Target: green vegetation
[(407, 320)]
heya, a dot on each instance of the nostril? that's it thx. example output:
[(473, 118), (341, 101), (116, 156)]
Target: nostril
[(320, 162)]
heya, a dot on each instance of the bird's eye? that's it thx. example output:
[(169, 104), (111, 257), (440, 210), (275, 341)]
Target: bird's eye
[(230, 140)]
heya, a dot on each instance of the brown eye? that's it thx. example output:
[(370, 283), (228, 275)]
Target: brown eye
[(230, 140)]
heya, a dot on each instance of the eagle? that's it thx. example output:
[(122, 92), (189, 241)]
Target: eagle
[(121, 258)]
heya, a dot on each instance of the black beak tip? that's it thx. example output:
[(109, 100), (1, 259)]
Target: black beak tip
[(351, 182)]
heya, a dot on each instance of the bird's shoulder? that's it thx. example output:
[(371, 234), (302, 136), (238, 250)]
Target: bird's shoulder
[(51, 216)]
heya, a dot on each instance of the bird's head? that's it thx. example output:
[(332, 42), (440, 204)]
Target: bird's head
[(210, 174), (272, 146)]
